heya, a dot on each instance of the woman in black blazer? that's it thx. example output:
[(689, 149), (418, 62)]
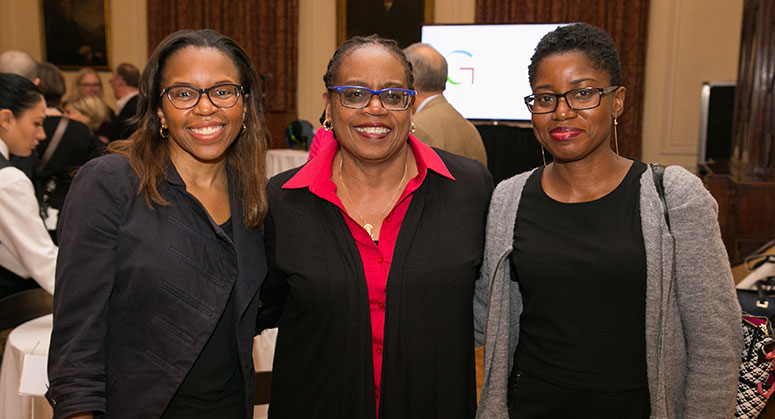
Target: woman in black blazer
[(161, 256)]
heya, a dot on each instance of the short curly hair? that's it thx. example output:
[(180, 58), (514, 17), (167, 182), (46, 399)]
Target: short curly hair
[(357, 42), (587, 39)]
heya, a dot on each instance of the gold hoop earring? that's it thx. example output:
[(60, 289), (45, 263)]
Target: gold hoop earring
[(327, 125), (543, 156), (616, 137), (412, 127), (164, 132), (244, 129)]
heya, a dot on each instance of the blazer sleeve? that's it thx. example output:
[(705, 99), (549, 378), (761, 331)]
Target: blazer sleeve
[(274, 289), (85, 276), (710, 313)]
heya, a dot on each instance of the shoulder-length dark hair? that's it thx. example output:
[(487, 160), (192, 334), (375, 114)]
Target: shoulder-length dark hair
[(148, 152)]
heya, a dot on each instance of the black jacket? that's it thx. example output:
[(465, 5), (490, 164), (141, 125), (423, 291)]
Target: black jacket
[(122, 128), (139, 292), (316, 286)]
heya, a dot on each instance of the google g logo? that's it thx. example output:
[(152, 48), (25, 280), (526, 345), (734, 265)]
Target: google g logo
[(465, 57)]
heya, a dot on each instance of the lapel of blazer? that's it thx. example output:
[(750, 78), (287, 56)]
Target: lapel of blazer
[(249, 246), (410, 228)]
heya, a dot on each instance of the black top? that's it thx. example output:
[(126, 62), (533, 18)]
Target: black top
[(122, 128), (581, 268), (316, 286), (213, 386)]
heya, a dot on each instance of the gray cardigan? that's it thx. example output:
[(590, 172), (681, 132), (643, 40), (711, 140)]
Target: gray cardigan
[(693, 324)]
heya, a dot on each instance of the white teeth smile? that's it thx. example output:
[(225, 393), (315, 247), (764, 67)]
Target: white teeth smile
[(207, 130), (373, 130)]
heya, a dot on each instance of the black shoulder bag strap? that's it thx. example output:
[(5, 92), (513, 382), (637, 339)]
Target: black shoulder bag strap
[(658, 171)]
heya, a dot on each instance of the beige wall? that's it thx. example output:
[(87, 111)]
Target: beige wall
[(690, 41), (20, 28), (317, 42)]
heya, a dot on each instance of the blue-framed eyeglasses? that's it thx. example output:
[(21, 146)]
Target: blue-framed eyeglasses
[(577, 99), (358, 97), (183, 96)]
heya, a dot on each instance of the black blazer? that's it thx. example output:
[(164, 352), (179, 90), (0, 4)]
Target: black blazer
[(139, 291), (316, 288), (122, 128)]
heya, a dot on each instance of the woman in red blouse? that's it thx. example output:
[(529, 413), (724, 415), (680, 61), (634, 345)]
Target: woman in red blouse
[(374, 246)]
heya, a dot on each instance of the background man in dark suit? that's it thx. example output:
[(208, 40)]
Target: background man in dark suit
[(438, 124), (125, 80)]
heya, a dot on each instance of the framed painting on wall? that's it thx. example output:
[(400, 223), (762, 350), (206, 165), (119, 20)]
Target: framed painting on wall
[(75, 33), (401, 20)]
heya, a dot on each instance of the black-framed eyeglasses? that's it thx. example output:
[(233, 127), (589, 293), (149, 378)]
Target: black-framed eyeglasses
[(183, 96), (358, 97), (577, 99)]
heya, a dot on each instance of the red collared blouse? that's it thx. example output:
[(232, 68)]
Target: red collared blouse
[(376, 257)]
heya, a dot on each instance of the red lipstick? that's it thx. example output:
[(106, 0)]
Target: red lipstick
[(565, 133)]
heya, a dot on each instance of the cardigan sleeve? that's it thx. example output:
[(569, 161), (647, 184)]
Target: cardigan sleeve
[(710, 313), (84, 281)]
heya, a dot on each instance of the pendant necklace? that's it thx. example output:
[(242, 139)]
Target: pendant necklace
[(368, 226)]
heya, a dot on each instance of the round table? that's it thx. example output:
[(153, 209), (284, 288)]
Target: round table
[(32, 337), (281, 159)]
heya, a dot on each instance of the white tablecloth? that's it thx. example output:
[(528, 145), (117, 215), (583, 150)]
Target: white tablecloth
[(281, 159), (34, 337)]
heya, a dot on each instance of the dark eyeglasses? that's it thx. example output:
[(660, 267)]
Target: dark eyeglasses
[(358, 97), (577, 99), (183, 96)]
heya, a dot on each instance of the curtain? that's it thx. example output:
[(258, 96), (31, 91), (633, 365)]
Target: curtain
[(625, 21), (266, 29), (753, 136)]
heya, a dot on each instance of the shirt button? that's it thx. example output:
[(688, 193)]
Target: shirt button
[(388, 218), (379, 259), (381, 305), (379, 350)]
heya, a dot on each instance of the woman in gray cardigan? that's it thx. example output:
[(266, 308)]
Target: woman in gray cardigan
[(587, 305)]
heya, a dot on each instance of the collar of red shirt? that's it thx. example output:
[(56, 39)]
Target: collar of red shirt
[(316, 174)]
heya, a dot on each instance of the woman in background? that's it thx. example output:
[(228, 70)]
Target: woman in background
[(88, 83), (374, 247), (27, 254), (88, 110), (593, 307), (161, 250)]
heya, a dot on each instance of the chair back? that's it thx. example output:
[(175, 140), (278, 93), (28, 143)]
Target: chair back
[(23, 306)]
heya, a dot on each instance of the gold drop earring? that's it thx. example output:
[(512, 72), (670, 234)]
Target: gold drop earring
[(616, 137)]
